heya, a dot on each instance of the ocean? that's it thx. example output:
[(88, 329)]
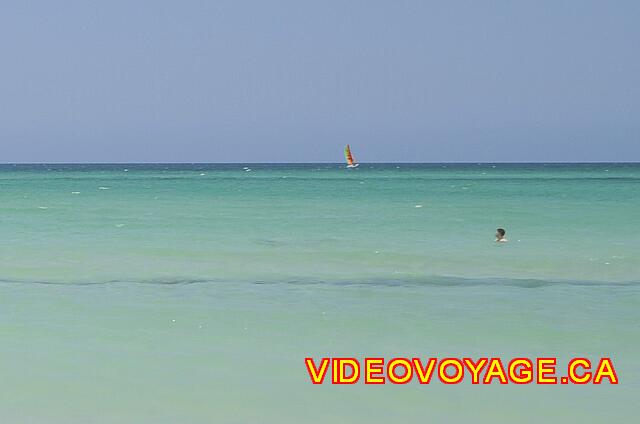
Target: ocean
[(191, 293)]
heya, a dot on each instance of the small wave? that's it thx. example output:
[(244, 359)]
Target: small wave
[(434, 281), (177, 281)]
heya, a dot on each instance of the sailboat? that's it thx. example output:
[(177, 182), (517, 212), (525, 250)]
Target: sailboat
[(351, 163)]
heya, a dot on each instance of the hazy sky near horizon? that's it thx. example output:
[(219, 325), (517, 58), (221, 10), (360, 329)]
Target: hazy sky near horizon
[(293, 81)]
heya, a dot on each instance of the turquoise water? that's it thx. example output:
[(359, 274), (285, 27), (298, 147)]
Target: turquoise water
[(192, 293)]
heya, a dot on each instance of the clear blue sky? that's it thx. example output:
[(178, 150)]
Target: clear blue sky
[(280, 81)]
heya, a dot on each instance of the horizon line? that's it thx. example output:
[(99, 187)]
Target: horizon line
[(323, 162)]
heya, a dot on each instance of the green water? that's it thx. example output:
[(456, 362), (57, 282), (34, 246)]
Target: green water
[(192, 293)]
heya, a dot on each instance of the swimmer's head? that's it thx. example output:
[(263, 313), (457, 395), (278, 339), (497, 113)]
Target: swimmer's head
[(500, 232)]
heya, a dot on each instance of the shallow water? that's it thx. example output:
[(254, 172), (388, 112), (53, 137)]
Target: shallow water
[(192, 293)]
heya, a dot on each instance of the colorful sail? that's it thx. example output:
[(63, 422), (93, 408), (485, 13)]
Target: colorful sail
[(348, 156)]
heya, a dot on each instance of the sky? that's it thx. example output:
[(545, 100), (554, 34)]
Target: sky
[(294, 81)]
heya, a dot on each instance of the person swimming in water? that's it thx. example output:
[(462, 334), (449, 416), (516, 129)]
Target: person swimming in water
[(500, 235)]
